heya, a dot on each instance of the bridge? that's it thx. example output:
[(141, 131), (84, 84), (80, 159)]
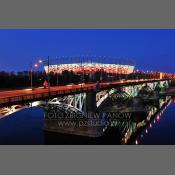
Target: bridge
[(11, 97), (77, 99)]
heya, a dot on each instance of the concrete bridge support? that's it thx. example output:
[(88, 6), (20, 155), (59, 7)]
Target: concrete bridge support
[(84, 123), (91, 105)]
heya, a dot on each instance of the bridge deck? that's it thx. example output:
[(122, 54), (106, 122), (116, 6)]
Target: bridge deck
[(13, 96)]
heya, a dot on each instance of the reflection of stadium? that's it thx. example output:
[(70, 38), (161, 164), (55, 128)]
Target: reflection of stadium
[(91, 68)]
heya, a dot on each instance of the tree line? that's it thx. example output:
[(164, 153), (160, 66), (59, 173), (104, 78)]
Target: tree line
[(10, 80)]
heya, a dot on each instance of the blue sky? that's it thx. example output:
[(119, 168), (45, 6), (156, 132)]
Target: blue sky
[(151, 49)]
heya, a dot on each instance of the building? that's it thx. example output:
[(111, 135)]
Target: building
[(90, 67)]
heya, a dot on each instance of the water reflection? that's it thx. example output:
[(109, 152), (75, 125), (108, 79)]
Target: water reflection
[(144, 120), (26, 127), (156, 119)]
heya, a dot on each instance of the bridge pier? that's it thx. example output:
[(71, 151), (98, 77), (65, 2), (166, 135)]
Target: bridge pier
[(91, 105), (87, 123)]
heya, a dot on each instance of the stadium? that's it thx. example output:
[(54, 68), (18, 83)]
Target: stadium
[(90, 66)]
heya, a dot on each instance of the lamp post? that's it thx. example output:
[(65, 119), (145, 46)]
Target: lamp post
[(101, 73), (83, 62), (57, 72), (31, 71), (81, 74), (48, 74), (31, 75)]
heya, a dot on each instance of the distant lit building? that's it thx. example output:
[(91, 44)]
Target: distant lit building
[(89, 68)]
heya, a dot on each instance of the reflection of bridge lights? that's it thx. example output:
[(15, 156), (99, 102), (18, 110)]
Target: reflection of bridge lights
[(146, 131), (9, 110), (36, 103), (158, 117), (150, 125), (154, 121), (136, 142)]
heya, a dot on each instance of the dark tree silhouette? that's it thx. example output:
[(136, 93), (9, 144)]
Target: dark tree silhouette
[(11, 80)]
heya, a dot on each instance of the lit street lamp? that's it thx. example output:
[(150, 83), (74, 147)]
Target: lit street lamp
[(31, 72), (40, 61), (48, 74)]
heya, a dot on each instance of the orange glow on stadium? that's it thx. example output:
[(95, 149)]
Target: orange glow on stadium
[(88, 68)]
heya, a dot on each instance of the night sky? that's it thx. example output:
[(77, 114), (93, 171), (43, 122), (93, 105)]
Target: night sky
[(151, 49)]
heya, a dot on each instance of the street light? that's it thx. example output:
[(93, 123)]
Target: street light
[(40, 61), (81, 73), (31, 72), (35, 65), (48, 74), (57, 74), (31, 75), (48, 69)]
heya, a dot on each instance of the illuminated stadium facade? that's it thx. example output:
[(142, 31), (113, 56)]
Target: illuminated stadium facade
[(91, 66)]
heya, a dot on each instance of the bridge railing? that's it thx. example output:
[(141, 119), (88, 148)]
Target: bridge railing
[(38, 96), (43, 95)]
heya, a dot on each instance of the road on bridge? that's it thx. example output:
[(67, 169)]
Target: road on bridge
[(26, 94)]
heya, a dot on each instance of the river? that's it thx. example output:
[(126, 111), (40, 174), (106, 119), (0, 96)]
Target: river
[(26, 128)]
